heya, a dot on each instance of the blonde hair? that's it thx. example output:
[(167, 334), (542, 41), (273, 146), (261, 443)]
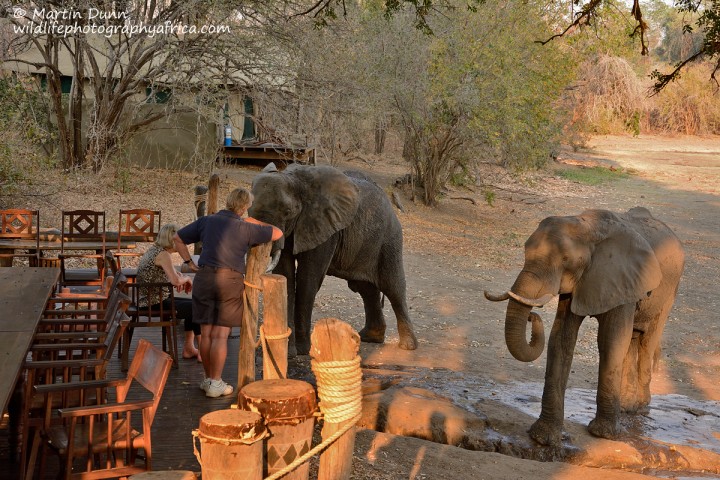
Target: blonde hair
[(165, 236), (239, 200)]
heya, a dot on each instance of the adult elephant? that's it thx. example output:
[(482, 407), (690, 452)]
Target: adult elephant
[(339, 224), (624, 270)]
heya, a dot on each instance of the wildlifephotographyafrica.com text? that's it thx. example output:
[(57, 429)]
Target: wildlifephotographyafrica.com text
[(66, 22)]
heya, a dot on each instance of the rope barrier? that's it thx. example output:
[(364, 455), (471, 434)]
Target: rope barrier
[(248, 284), (251, 312), (224, 441)]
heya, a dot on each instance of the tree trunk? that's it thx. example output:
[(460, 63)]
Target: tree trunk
[(380, 136), (76, 113)]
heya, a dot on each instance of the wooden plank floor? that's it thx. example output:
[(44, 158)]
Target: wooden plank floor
[(181, 407)]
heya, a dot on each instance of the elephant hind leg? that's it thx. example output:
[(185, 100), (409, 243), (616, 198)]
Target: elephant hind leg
[(641, 358), (374, 330), (408, 341)]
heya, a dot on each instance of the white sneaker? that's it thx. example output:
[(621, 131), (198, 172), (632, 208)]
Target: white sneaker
[(205, 384), (218, 388)]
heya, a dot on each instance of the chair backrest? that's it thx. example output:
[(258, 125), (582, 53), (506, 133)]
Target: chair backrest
[(138, 224), (83, 225), (150, 367), (115, 330), (20, 224), (151, 295), (113, 263)]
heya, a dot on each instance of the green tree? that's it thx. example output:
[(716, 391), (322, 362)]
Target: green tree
[(479, 88), (581, 14)]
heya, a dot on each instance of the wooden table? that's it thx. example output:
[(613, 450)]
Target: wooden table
[(24, 291), (56, 245), (9, 246)]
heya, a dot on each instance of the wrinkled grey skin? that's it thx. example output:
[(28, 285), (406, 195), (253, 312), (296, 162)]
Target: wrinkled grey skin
[(624, 270), (339, 224)]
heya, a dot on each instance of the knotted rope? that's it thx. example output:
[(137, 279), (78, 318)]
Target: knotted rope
[(251, 312)]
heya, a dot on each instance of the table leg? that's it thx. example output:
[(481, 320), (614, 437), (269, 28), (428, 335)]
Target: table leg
[(14, 419)]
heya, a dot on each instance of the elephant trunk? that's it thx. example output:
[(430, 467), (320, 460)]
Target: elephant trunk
[(519, 313), (516, 320)]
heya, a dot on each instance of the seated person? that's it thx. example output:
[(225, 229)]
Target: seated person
[(156, 266)]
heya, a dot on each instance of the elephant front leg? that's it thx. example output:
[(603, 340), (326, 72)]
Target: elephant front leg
[(374, 330), (614, 336), (547, 430), (286, 268), (311, 269)]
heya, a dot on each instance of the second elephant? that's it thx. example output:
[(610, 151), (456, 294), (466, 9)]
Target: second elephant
[(339, 224), (624, 270)]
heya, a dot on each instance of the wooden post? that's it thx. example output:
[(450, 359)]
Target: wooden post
[(257, 262), (200, 204), (275, 354), (206, 202), (212, 199), (333, 340)]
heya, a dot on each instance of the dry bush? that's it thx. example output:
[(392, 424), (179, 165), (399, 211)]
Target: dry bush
[(689, 106), (609, 97)]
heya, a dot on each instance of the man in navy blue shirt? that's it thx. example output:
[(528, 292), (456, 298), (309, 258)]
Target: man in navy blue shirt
[(220, 278)]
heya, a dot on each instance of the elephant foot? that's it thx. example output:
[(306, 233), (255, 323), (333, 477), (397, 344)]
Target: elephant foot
[(545, 433), (603, 428), (292, 350), (408, 341), (637, 405), (372, 336), (302, 347)]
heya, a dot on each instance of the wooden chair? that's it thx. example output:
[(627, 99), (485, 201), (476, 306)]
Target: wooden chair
[(139, 225), (94, 432), (66, 356), (152, 315), (75, 340), (20, 225), (71, 314), (78, 227)]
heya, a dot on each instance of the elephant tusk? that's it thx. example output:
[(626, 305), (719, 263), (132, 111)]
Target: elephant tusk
[(274, 259), (537, 302), (496, 297)]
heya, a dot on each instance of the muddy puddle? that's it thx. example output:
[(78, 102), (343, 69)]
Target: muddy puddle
[(676, 437), (673, 419)]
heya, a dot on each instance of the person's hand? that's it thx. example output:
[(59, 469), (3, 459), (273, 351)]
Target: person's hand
[(185, 284), (194, 268)]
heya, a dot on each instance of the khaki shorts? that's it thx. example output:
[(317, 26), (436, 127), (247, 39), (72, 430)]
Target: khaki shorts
[(217, 296)]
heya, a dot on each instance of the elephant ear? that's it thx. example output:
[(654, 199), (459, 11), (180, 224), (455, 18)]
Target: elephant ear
[(623, 269), (330, 201)]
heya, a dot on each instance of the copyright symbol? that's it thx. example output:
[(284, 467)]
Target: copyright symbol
[(18, 12)]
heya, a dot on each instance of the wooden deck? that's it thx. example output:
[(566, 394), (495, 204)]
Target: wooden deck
[(261, 155), (181, 407)]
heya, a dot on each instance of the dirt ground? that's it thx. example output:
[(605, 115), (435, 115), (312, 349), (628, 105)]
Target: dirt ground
[(456, 251), (464, 246)]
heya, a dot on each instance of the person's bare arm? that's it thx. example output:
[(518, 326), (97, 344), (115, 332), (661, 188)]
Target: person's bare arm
[(276, 232), (164, 260), (182, 249)]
